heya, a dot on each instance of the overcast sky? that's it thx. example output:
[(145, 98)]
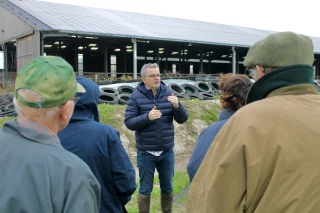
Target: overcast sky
[(277, 15)]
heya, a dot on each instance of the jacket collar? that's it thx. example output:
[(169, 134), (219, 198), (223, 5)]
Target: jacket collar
[(32, 131), (282, 77), (142, 88), (226, 114)]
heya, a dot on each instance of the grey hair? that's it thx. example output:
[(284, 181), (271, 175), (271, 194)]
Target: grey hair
[(269, 69), (266, 70), (146, 66), (29, 95)]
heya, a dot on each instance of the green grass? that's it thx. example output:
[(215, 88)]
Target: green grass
[(197, 110), (107, 112), (180, 184), (5, 119), (211, 115)]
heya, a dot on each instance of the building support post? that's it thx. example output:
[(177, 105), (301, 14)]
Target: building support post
[(317, 67), (106, 60), (124, 59), (166, 52), (210, 56), (158, 56), (233, 60), (5, 62), (201, 62), (42, 45), (135, 75)]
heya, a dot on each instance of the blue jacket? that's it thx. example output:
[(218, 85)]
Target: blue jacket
[(154, 135), (100, 147), (204, 141)]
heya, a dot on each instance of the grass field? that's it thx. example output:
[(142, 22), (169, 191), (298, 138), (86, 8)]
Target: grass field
[(180, 185)]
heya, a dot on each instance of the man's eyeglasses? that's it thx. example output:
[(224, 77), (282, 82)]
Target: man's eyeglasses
[(153, 76)]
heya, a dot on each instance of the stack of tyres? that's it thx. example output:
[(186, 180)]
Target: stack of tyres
[(124, 93), (108, 96), (200, 90), (6, 105), (116, 96)]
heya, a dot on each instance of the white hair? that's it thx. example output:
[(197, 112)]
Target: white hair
[(146, 66), (254, 73), (31, 96)]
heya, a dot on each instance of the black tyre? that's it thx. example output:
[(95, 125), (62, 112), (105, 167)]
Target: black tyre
[(8, 107), (3, 96), (211, 78), (183, 96), (177, 88), (192, 78), (106, 82), (203, 86), (124, 89), (8, 113), (215, 92), (208, 95), (195, 96), (123, 98), (190, 88), (107, 98), (4, 102), (109, 91), (119, 81), (200, 79), (214, 84), (8, 97)]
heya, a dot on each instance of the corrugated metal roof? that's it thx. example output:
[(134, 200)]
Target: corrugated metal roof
[(46, 16)]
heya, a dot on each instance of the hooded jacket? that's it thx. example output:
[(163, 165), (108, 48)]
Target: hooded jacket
[(100, 147), (266, 157), (204, 141), (154, 135)]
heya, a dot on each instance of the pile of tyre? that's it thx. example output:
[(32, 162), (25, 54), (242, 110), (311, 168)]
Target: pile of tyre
[(116, 96), (6, 105), (200, 90)]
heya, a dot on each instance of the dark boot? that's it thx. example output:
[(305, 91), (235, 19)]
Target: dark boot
[(166, 203), (144, 203)]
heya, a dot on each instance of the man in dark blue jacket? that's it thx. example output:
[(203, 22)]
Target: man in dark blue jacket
[(233, 93), (100, 147), (150, 113)]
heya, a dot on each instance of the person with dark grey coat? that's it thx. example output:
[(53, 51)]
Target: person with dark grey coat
[(37, 175)]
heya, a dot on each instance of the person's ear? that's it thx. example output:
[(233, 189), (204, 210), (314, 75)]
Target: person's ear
[(260, 71), (66, 111)]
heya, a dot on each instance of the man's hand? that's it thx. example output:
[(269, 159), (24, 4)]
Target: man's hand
[(174, 100), (154, 114)]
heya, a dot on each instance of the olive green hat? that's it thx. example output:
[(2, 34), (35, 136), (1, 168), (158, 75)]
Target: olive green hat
[(51, 77), (280, 50)]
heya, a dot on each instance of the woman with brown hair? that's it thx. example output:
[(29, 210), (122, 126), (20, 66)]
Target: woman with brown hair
[(233, 92)]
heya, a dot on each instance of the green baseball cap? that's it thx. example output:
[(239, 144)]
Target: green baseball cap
[(280, 50), (51, 77)]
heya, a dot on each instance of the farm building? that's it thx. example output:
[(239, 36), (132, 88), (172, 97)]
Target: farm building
[(116, 43)]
